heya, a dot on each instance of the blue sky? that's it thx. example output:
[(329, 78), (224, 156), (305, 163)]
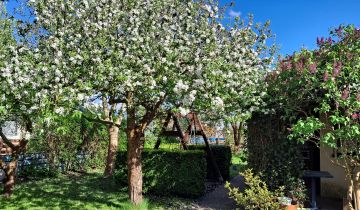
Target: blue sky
[(298, 23)]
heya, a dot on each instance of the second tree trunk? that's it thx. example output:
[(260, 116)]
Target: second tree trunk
[(112, 149)]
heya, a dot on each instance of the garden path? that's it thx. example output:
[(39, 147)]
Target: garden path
[(219, 199)]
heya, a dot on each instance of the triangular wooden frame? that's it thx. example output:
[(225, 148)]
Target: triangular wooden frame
[(194, 124)]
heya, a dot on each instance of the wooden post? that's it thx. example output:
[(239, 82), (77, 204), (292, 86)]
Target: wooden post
[(166, 123), (177, 133), (208, 149), (182, 137)]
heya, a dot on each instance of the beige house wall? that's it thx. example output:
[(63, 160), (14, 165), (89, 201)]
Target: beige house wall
[(333, 187)]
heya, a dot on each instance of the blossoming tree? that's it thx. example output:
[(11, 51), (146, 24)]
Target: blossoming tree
[(148, 55), (24, 92), (320, 91)]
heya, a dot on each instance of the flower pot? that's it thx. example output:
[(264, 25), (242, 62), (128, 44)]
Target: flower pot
[(291, 207)]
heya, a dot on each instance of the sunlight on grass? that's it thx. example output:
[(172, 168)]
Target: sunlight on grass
[(90, 191), (238, 163)]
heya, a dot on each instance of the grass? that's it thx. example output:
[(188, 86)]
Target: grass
[(238, 163), (90, 191)]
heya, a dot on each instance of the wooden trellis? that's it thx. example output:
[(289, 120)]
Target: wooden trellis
[(194, 128)]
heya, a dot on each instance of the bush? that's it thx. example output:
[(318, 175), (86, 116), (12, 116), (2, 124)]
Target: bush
[(222, 155), (38, 172), (168, 172), (256, 194)]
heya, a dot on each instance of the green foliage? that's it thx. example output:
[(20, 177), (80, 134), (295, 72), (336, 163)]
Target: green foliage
[(222, 155), (256, 194), (168, 172), (240, 157), (70, 140), (307, 128)]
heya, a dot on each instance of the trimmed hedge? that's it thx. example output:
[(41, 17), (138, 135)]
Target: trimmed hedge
[(271, 154), (166, 172), (222, 155)]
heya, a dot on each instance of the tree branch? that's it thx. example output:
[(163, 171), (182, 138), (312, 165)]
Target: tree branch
[(117, 101), (6, 140), (105, 122), (150, 114)]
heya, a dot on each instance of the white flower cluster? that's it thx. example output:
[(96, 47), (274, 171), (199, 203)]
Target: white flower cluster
[(151, 49)]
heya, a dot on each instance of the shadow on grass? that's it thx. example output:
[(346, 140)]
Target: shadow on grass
[(68, 192)]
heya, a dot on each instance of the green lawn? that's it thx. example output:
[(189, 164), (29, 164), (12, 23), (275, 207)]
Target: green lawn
[(238, 163), (89, 191)]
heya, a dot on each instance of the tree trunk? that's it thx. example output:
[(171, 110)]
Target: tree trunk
[(134, 150), (135, 169), (356, 184), (157, 144), (349, 196), (52, 151), (112, 150), (241, 135), (235, 128), (10, 168), (10, 171), (135, 133)]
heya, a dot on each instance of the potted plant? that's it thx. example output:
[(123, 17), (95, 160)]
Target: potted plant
[(297, 193)]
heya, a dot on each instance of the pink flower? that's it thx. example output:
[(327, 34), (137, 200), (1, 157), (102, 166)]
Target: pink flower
[(299, 65), (358, 97), (345, 94), (349, 56), (313, 67), (339, 31), (336, 68), (285, 65), (320, 41), (329, 40), (326, 76), (355, 116)]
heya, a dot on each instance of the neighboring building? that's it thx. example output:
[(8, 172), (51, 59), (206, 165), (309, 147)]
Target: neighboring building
[(12, 131)]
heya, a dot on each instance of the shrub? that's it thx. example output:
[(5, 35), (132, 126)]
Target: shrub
[(168, 172), (222, 155), (38, 172), (256, 194)]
